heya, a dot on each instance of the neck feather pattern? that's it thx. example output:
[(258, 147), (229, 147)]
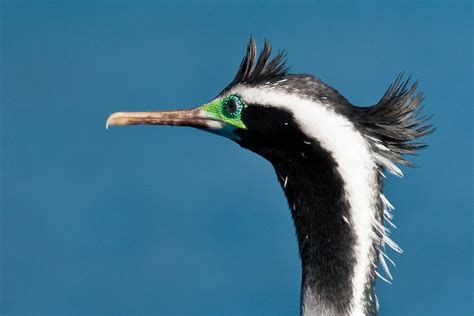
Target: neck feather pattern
[(333, 189)]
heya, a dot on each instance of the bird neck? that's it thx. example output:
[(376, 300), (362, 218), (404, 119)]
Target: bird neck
[(338, 259)]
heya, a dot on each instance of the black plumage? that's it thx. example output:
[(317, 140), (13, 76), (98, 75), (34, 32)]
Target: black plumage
[(396, 121)]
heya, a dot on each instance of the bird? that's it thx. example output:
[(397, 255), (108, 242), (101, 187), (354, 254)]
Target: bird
[(330, 158)]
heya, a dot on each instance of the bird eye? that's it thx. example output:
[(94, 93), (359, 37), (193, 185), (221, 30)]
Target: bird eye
[(233, 105)]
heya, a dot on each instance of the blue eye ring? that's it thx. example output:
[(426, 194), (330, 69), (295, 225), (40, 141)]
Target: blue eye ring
[(233, 105)]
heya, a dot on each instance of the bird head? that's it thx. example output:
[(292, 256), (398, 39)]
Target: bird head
[(254, 110), (282, 116)]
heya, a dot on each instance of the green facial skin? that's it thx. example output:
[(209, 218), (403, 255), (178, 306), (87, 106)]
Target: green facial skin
[(219, 109)]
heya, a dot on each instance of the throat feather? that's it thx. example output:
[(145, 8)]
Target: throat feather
[(326, 241)]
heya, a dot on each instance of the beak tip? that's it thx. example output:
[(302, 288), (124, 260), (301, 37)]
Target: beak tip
[(110, 120)]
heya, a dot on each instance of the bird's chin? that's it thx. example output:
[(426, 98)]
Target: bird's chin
[(224, 130)]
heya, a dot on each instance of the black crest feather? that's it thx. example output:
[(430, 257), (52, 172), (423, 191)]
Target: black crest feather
[(395, 120), (254, 70)]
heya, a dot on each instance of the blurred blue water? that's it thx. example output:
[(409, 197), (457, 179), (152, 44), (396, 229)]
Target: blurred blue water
[(158, 220)]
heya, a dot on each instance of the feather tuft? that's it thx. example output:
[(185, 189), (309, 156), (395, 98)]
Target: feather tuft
[(394, 123), (255, 70)]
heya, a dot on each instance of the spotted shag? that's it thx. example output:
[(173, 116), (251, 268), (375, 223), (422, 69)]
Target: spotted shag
[(330, 158)]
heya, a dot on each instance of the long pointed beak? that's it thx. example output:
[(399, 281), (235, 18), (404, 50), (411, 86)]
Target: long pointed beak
[(193, 118)]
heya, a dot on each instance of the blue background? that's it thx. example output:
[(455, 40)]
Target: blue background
[(159, 220)]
